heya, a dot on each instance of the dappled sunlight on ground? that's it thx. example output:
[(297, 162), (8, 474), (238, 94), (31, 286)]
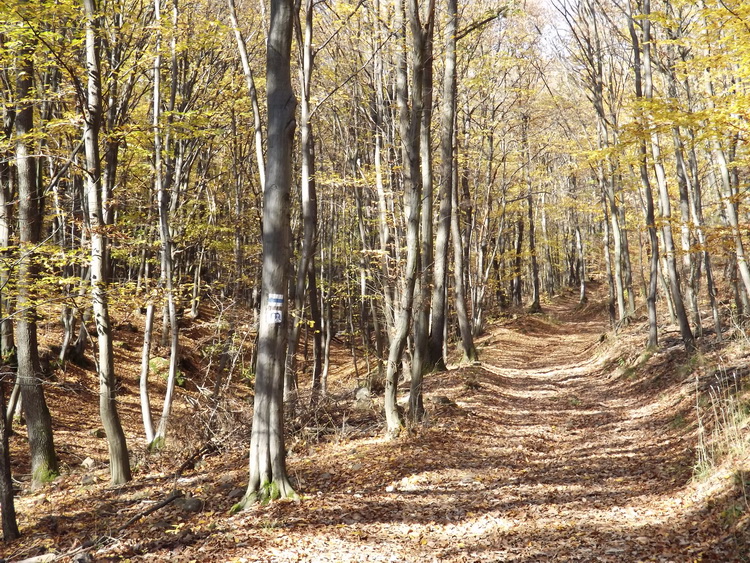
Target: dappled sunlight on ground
[(540, 452)]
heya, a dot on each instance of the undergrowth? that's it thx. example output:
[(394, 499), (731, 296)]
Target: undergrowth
[(723, 409)]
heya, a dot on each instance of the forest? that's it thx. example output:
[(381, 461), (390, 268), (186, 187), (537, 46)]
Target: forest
[(374, 280)]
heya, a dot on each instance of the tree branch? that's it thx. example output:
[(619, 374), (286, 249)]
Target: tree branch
[(473, 26)]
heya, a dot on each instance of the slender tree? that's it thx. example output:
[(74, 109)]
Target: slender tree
[(119, 465), (7, 505), (439, 303)]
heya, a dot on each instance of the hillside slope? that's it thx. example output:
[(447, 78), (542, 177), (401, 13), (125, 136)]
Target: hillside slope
[(564, 443)]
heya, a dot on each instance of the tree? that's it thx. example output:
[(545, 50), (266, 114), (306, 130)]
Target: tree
[(30, 214), (438, 305), (7, 506), (119, 464), (409, 120), (268, 477)]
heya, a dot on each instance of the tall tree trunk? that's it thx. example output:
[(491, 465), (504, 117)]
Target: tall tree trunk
[(165, 235), (439, 303), (464, 326), (30, 376), (665, 207), (7, 197), (646, 182), (309, 201), (119, 464), (421, 331), (409, 125), (268, 477), (535, 301)]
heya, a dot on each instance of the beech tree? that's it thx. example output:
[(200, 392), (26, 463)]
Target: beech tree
[(119, 465), (7, 504), (30, 213), (268, 477)]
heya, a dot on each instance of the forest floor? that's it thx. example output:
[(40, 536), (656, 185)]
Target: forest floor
[(564, 443)]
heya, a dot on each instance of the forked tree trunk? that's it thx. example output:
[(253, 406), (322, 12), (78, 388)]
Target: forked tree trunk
[(409, 124), (268, 477)]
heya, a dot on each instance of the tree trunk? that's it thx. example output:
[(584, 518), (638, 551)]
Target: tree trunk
[(423, 48), (439, 303), (664, 201), (409, 126), (516, 284), (309, 202), (148, 424), (268, 477), (163, 202), (536, 306), (119, 464), (464, 326), (7, 506), (650, 217), (250, 80), (38, 420), (7, 197)]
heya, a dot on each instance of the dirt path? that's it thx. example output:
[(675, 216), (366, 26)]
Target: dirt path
[(542, 456), (543, 452)]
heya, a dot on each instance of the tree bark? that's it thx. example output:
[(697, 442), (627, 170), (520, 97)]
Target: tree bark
[(7, 197), (664, 201), (653, 336), (409, 125), (163, 203), (7, 506), (309, 202), (439, 303), (464, 326), (535, 306), (268, 477), (119, 464), (38, 420), (252, 92), (423, 48)]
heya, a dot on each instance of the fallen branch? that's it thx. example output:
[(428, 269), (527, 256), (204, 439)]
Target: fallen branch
[(207, 448), (172, 497)]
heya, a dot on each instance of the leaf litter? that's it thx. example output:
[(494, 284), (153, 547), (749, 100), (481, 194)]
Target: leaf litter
[(538, 453)]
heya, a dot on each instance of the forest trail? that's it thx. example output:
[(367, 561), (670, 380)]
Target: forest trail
[(547, 450), (541, 455)]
